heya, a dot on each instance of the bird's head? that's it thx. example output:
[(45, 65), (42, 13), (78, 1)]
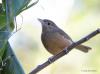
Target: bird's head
[(47, 25)]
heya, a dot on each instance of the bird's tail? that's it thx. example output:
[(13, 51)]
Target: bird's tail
[(83, 48)]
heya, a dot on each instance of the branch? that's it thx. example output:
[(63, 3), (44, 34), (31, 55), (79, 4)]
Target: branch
[(63, 52)]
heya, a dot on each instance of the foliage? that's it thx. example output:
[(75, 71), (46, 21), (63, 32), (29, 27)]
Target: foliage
[(9, 9)]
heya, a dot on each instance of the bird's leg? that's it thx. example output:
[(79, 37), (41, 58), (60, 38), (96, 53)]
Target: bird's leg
[(65, 50), (50, 60)]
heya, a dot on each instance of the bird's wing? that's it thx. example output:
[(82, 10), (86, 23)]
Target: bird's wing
[(64, 34)]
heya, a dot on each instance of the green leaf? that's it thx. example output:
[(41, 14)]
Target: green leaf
[(9, 9), (27, 7), (18, 5), (13, 8), (12, 65), (2, 21), (2, 17), (3, 40)]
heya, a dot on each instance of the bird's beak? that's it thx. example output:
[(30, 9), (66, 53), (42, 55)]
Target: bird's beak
[(40, 20)]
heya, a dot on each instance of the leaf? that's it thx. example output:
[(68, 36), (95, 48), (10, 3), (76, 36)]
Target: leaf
[(3, 40), (2, 21), (12, 65), (13, 8), (9, 9), (2, 17), (18, 5), (29, 6)]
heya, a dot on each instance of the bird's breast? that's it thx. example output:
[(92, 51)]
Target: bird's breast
[(55, 42)]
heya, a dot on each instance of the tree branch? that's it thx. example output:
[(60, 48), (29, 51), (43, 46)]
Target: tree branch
[(63, 52)]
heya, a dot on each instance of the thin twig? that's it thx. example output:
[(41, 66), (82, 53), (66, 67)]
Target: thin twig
[(65, 51)]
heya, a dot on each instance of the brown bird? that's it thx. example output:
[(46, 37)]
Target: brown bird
[(55, 40)]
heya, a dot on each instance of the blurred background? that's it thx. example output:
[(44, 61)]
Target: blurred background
[(78, 18)]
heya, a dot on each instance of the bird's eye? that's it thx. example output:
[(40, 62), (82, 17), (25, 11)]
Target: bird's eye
[(48, 23)]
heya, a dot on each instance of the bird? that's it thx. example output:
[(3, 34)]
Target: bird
[(55, 39)]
